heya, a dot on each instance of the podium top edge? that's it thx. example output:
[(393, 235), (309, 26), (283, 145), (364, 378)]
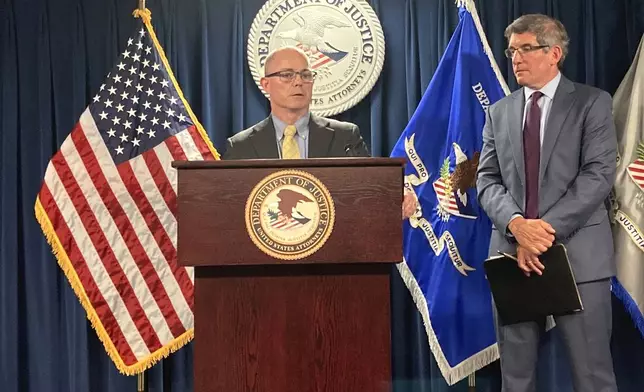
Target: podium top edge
[(290, 163)]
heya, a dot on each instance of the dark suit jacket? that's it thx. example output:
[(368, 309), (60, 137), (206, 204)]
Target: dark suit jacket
[(327, 138), (576, 174)]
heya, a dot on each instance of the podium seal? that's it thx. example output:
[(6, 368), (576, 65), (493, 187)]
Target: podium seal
[(289, 215)]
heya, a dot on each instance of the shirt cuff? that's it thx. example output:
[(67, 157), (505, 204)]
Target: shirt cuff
[(507, 227)]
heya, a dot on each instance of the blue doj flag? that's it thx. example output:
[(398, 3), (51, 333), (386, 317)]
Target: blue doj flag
[(447, 239)]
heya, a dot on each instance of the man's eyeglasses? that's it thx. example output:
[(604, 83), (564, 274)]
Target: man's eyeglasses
[(523, 49), (306, 75)]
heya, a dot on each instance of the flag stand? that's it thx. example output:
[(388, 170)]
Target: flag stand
[(140, 382)]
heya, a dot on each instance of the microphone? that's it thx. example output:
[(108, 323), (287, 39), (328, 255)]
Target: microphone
[(349, 151)]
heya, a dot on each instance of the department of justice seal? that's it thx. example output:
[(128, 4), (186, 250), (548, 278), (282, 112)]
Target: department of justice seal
[(289, 214), (343, 39)]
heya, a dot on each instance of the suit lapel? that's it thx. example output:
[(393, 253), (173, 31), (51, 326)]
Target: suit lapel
[(561, 105), (264, 140), (320, 137), (515, 129)]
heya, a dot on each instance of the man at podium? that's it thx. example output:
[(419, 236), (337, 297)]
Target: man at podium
[(291, 131)]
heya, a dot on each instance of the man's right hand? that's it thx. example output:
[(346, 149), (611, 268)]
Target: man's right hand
[(535, 235)]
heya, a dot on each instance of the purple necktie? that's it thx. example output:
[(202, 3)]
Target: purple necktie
[(531, 154)]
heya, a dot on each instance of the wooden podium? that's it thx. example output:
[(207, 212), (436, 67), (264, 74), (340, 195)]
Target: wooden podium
[(319, 323)]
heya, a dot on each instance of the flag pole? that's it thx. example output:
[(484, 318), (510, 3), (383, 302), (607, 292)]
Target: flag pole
[(140, 382), (471, 382)]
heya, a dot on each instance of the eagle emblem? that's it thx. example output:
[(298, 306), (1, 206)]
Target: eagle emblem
[(309, 36), (284, 214), (452, 187)]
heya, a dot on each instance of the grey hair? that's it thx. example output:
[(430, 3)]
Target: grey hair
[(549, 31), (272, 54)]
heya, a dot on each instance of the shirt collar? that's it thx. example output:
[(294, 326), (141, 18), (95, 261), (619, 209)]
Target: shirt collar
[(548, 90), (302, 126)]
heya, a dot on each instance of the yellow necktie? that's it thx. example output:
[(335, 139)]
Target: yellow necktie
[(290, 150)]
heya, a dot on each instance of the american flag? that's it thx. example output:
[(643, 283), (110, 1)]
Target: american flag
[(447, 201), (108, 207), (316, 58), (282, 222), (636, 171)]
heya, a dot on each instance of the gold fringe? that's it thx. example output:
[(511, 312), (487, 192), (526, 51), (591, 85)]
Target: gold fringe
[(146, 15), (66, 265), (160, 354)]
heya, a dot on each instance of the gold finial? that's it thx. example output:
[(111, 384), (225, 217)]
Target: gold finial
[(142, 12)]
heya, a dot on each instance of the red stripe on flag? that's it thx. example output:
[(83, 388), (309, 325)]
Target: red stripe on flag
[(175, 149), (96, 299), (124, 226), (120, 280), (635, 168), (157, 172), (319, 64), (158, 231), (200, 143)]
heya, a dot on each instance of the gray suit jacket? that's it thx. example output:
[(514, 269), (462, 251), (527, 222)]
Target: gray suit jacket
[(576, 174), (327, 138)]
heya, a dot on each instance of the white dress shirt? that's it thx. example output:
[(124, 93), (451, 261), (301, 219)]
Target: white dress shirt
[(545, 102)]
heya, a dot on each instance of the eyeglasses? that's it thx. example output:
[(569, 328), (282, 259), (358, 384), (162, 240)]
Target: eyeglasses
[(523, 49), (306, 75)]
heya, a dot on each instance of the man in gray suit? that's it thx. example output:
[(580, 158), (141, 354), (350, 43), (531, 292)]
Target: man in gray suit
[(292, 131), (547, 166)]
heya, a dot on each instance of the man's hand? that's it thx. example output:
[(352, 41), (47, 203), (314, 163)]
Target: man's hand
[(409, 204), (529, 262), (535, 235)]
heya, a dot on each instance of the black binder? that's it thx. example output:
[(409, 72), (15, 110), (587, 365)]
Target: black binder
[(521, 298)]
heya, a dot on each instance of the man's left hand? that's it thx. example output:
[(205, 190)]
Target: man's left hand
[(529, 262), (409, 204)]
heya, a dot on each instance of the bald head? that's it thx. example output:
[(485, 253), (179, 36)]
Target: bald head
[(290, 95), (285, 54)]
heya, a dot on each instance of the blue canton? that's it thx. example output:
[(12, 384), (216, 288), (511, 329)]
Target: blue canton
[(138, 106)]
